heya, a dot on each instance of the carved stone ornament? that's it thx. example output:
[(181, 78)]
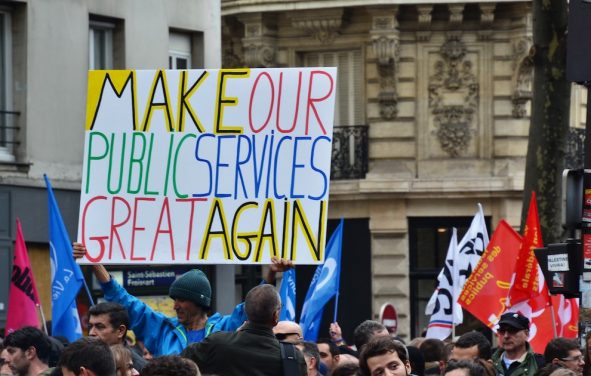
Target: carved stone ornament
[(424, 21), (522, 76), (259, 54), (259, 40), (324, 26), (453, 75), (386, 49)]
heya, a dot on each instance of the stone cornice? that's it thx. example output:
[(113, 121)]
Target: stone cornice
[(231, 7)]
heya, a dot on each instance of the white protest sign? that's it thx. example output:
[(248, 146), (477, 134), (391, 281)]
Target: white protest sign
[(207, 166)]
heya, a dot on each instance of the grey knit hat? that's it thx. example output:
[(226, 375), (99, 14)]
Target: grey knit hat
[(192, 286)]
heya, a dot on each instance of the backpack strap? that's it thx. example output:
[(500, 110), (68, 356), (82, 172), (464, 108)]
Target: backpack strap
[(288, 357)]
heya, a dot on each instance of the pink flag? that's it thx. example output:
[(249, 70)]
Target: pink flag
[(23, 299)]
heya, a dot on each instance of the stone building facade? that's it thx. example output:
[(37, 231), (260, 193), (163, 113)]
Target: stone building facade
[(438, 95)]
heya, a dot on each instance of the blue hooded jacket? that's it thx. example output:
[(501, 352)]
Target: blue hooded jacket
[(164, 335)]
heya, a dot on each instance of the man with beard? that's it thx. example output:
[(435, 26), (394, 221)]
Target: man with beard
[(385, 356), (515, 357), (28, 351)]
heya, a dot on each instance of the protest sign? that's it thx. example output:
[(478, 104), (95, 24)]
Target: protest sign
[(207, 166)]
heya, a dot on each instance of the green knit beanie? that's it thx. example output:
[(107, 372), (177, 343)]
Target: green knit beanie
[(192, 286)]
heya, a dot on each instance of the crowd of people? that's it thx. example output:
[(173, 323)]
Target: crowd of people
[(252, 341)]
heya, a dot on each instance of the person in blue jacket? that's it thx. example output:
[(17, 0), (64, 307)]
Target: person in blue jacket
[(191, 292)]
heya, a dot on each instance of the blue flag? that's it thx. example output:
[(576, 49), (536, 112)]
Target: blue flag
[(324, 285), (66, 276), (287, 292)]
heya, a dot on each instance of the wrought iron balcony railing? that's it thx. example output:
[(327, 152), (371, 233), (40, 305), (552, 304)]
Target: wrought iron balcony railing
[(349, 152), (7, 128)]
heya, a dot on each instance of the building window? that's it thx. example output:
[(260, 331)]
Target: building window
[(428, 242), (179, 53), (100, 42), (349, 102), (7, 113)]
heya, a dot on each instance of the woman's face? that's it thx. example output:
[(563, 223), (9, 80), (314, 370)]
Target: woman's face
[(125, 366)]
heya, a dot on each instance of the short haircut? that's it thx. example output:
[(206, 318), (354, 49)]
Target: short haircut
[(473, 369), (379, 346), (559, 348), (90, 353), (475, 338), (27, 337), (261, 303), (347, 369), (310, 350), (117, 313), (365, 331), (170, 365), (432, 349), (334, 349)]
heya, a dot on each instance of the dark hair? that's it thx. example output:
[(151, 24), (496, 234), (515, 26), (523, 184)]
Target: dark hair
[(432, 350), (474, 369), (90, 353), (347, 369), (170, 365), (558, 348), (261, 303), (117, 313), (365, 331), (310, 349), (334, 349), (416, 360), (27, 337), (475, 338), (379, 346)]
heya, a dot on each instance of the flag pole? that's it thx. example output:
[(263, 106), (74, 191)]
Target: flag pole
[(88, 293), (553, 315), (43, 320), (336, 300)]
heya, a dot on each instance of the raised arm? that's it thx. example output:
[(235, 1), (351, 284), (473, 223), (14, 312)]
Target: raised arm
[(99, 270)]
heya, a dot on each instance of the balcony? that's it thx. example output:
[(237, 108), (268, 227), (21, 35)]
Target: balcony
[(349, 152), (8, 131)]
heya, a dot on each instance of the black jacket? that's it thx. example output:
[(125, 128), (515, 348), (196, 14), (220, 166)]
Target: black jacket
[(252, 351)]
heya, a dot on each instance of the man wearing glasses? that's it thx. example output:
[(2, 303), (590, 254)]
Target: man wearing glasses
[(288, 331), (515, 356), (566, 353)]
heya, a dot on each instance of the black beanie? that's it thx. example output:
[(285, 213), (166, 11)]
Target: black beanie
[(192, 286)]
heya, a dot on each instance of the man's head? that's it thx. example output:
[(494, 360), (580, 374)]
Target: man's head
[(27, 347), (262, 305), (171, 365), (311, 355), (329, 352), (514, 329), (4, 363), (87, 356), (565, 352), (192, 296), (432, 350), (109, 322), (366, 331), (464, 368), (470, 346), (383, 355), (288, 331)]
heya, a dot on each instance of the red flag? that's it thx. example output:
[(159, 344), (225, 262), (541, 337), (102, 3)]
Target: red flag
[(485, 292), (529, 284), (23, 299)]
